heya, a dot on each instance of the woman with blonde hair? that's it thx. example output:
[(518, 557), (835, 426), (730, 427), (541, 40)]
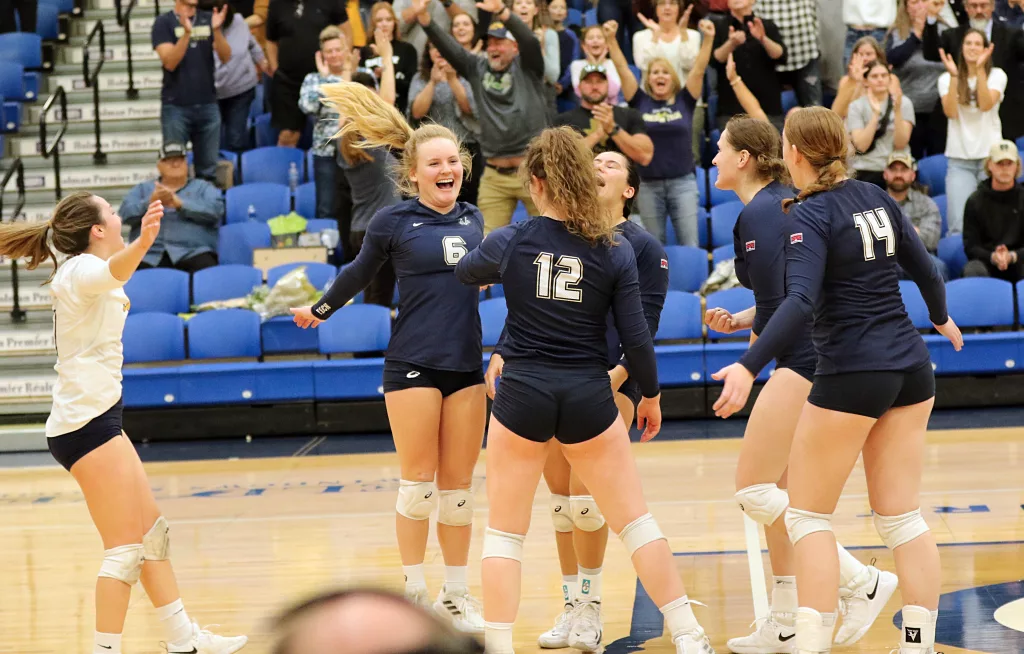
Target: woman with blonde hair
[(404, 56), (84, 430), (433, 382), (873, 387), (563, 272)]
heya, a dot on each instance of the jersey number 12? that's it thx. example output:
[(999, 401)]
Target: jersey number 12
[(568, 274), (875, 226)]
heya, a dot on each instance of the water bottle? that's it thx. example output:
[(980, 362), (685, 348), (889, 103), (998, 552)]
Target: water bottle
[(293, 176), (252, 214)]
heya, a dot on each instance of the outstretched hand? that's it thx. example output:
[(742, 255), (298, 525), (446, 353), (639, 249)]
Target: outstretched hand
[(150, 227), (736, 392), (303, 317)]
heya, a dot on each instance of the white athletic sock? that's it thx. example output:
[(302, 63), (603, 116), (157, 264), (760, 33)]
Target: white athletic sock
[(498, 637), (918, 628), (784, 600), (849, 569), (679, 617), (414, 579), (814, 630), (106, 643), (590, 585), (569, 588), (177, 626), (456, 579)]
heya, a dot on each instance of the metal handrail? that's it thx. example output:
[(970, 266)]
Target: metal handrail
[(54, 150), (92, 80), (17, 168), (124, 19)]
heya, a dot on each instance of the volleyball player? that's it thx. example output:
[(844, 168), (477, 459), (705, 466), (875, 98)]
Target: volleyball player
[(433, 382), (84, 431), (749, 162), (873, 387), (562, 272)]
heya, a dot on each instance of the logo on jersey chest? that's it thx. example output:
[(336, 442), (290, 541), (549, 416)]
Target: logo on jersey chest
[(749, 246), (464, 221), (796, 238)]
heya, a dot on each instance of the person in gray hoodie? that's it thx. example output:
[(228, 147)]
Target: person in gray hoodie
[(236, 78)]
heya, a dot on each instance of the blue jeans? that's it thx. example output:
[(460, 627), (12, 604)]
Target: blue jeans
[(962, 177), (852, 36), (234, 114), (200, 124), (676, 198), (324, 170)]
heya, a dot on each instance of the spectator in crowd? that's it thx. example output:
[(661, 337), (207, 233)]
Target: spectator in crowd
[(798, 26), (750, 105), (1011, 12), (854, 83), (866, 18), (971, 90), (568, 51), (994, 219), (26, 10), (920, 210), (595, 53), (444, 13), (334, 63), (626, 15), (236, 78), (439, 95), (193, 212), (831, 44), (465, 33), (757, 48), (668, 37), (534, 14), (383, 18), (666, 108), (512, 104), (880, 123), (184, 39), (293, 39), (918, 77)]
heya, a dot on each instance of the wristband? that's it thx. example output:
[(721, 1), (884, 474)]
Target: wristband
[(615, 130)]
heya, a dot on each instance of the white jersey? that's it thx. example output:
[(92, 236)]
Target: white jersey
[(89, 311)]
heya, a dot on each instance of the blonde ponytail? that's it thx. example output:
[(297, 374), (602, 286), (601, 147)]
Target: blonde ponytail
[(72, 222)]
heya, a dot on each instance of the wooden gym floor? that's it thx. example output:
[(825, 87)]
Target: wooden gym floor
[(250, 535)]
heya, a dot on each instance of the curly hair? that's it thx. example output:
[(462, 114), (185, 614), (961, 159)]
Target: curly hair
[(819, 135)]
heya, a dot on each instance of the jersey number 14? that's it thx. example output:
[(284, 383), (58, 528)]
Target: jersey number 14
[(875, 226), (563, 285)]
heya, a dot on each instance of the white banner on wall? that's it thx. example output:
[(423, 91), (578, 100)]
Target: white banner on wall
[(26, 386), (22, 341), (86, 143), (81, 113)]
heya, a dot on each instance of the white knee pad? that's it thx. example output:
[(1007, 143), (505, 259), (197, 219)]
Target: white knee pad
[(123, 563), (456, 507), (503, 545), (641, 531), (561, 513), (899, 529), (585, 513), (157, 541), (416, 499), (763, 503), (804, 523)]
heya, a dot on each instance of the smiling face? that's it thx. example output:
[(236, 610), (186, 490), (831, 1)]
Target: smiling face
[(729, 162), (741, 7), (463, 29), (173, 171), (558, 10), (661, 78), (667, 11), (438, 172), (612, 170), (594, 44), (974, 45), (501, 53), (107, 236), (525, 10)]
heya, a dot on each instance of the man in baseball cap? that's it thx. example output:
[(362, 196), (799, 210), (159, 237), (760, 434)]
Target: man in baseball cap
[(900, 174), (994, 218)]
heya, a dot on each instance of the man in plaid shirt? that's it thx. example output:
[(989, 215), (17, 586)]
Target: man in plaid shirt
[(797, 21), (922, 212)]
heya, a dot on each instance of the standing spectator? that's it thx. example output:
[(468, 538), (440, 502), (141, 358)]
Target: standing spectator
[(831, 43), (443, 13), (919, 209), (994, 219), (568, 51), (626, 16), (971, 91), (757, 48), (193, 213), (866, 18), (853, 85), (669, 37), (880, 124), (798, 26), (595, 53), (918, 77), (236, 79), (512, 104), (464, 31), (293, 39), (334, 63), (383, 18), (184, 39), (1011, 12), (534, 14), (26, 15)]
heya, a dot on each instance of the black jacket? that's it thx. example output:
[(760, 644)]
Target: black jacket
[(993, 218)]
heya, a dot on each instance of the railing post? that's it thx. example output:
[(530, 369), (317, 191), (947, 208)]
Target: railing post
[(54, 150), (17, 168), (92, 78), (125, 21)]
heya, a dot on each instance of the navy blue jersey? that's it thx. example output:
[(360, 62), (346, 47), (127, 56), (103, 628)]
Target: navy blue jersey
[(559, 289), (759, 239), (438, 323), (652, 273), (843, 259)]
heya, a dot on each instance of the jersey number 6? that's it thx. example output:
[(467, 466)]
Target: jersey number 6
[(875, 225), (569, 273), (454, 249)]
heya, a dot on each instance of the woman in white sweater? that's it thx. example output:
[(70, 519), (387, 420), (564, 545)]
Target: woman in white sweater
[(668, 38)]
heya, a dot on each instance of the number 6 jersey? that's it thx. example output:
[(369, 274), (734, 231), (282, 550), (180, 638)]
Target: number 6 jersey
[(438, 324)]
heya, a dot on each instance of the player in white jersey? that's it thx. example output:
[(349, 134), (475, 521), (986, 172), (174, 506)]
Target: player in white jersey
[(84, 428)]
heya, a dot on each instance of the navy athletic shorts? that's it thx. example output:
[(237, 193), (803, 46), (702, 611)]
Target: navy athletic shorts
[(68, 448), (399, 375), (872, 393)]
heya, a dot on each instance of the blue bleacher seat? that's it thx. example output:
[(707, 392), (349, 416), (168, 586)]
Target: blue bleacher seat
[(915, 305), (224, 334), (492, 319), (681, 318), (789, 101), (266, 136), (723, 253), (1020, 297), (980, 302), (12, 82), (10, 116), (520, 213), (701, 178), (573, 18), (268, 200), (719, 196), (310, 166), (710, 149), (235, 242), (356, 328), (63, 6), (153, 337), (723, 219), (23, 48), (271, 164), (702, 228), (590, 17), (159, 290), (280, 335), (305, 200), (318, 273), (224, 282), (732, 300), (47, 21), (951, 251), (931, 171), (940, 201), (687, 267), (1020, 143), (315, 225)]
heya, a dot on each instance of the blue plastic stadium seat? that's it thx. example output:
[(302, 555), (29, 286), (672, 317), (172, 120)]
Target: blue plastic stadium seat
[(158, 290), (573, 18), (681, 317), (703, 239), (224, 334), (789, 101), (224, 282), (10, 116), (1020, 143), (719, 196), (732, 300), (680, 364), (12, 82), (305, 200), (687, 267), (981, 302), (915, 305), (590, 17), (931, 171), (723, 219), (723, 253), (951, 251), (23, 48), (281, 335), (356, 328), (316, 225), (267, 200), (47, 21), (266, 136), (235, 242), (63, 6), (940, 202), (520, 213), (152, 337), (492, 319), (319, 274), (271, 164)]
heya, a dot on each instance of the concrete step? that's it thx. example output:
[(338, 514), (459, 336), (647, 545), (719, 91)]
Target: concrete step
[(82, 140), (75, 69), (31, 338), (116, 53), (108, 81), (113, 107), (96, 178), (19, 386), (39, 204), (142, 6), (141, 24), (33, 297)]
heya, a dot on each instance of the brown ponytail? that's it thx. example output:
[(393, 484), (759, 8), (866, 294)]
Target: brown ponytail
[(72, 221), (762, 142), (820, 136)]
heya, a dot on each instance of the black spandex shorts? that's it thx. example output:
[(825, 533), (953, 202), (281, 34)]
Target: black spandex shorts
[(537, 402), (872, 393), (284, 105), (399, 375), (68, 448), (631, 390), (807, 372)]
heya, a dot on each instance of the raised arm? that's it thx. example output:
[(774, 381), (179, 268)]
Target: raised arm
[(119, 268), (169, 48), (461, 60), (626, 77), (743, 94), (695, 80), (388, 89), (531, 55), (902, 120), (220, 42)]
